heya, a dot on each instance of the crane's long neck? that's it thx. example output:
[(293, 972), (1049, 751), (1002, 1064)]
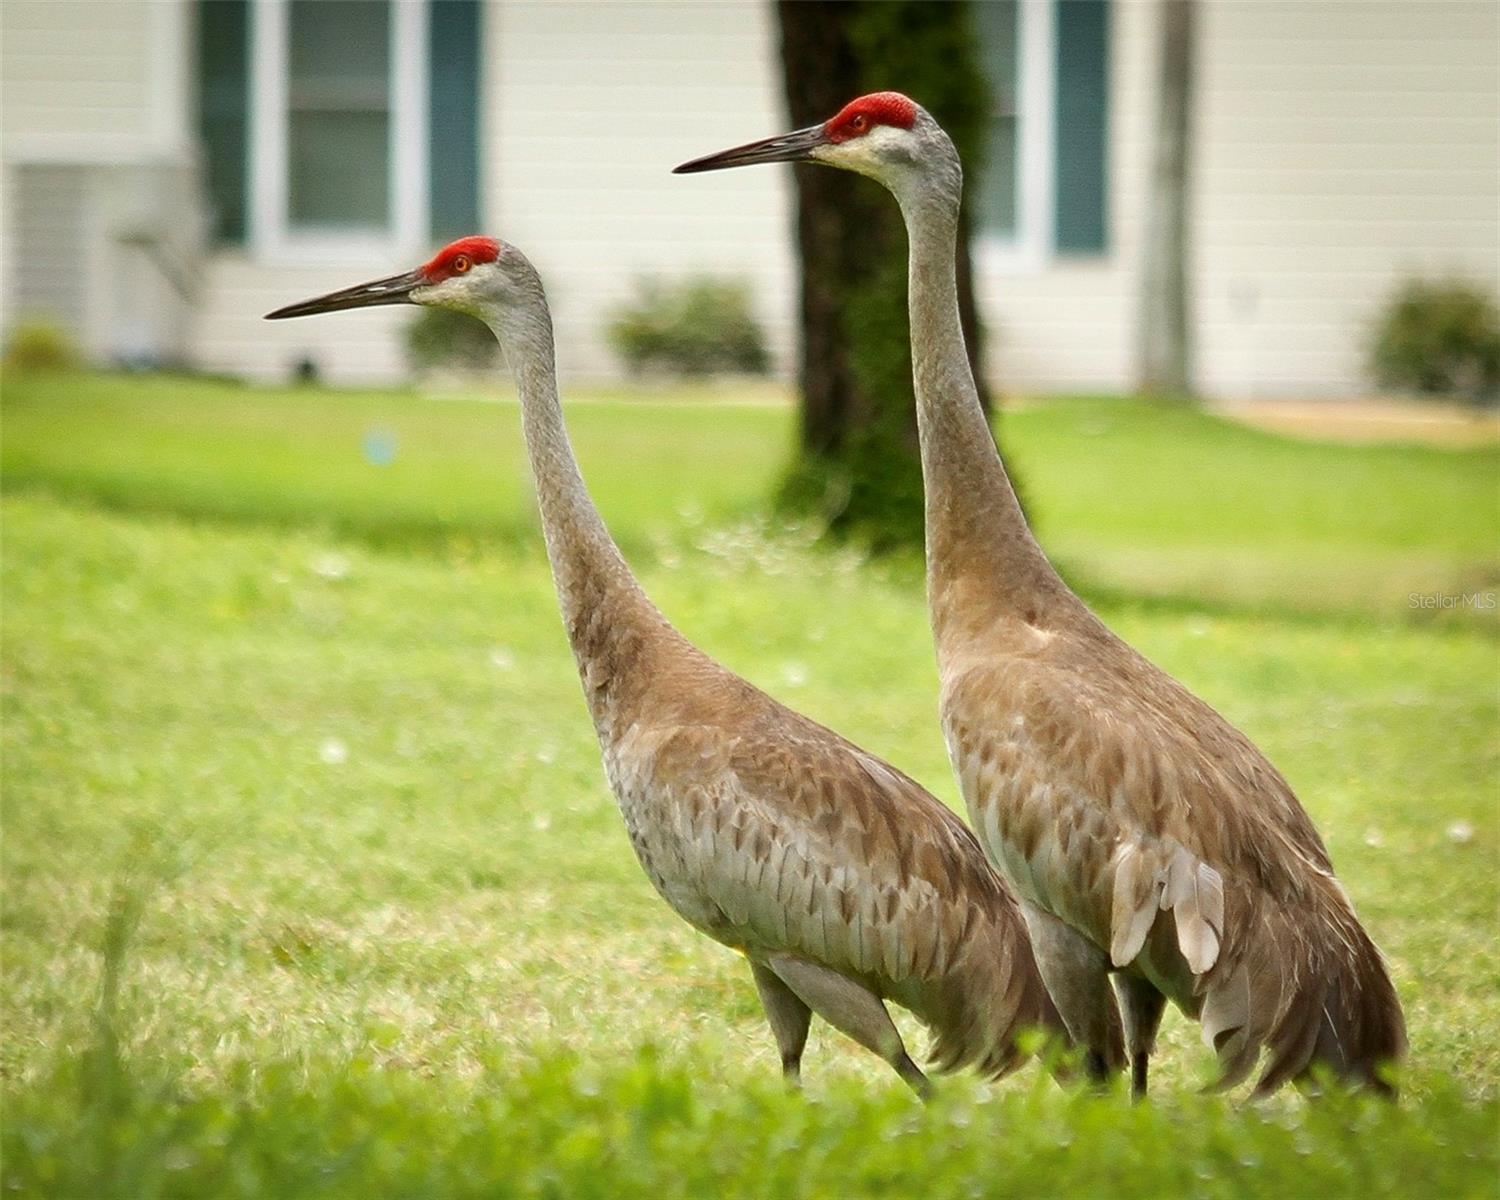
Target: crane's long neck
[(611, 624), (982, 560)]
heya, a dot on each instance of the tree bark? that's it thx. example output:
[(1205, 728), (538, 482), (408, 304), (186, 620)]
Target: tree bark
[(820, 76), (1164, 331), (858, 464)]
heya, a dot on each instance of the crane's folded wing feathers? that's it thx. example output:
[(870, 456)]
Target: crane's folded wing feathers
[(1129, 797), (807, 845)]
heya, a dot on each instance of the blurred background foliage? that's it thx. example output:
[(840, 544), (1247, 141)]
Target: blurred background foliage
[(688, 328), (40, 345), (1439, 339), (441, 341)]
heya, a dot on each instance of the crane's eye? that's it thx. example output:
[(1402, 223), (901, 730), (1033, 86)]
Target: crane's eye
[(461, 264), (859, 123)]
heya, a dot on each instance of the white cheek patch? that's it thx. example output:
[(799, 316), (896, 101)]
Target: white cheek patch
[(871, 154), (460, 292)]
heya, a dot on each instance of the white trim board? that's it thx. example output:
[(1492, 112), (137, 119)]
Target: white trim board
[(271, 240), (1030, 248)]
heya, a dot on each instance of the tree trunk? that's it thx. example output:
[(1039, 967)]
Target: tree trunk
[(1164, 333), (858, 466)]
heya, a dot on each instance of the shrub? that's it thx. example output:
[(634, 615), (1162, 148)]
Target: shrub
[(440, 339), (41, 345), (693, 327), (1439, 338)]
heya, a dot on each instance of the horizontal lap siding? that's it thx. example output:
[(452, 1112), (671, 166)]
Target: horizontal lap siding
[(586, 108), (353, 347), (76, 69), (591, 108), (1338, 148), (1067, 326), (45, 210), (73, 77), (1341, 148)]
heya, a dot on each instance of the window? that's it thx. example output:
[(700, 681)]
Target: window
[(336, 128), (338, 115), (1043, 190)]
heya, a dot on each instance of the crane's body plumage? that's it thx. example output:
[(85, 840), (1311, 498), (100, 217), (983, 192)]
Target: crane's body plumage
[(764, 830), (842, 881), (1123, 806), (775, 836), (1146, 837)]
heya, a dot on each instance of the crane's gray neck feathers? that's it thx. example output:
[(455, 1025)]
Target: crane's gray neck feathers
[(609, 620), (978, 543)]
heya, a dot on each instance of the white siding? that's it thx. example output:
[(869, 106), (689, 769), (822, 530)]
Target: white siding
[(1338, 148), (94, 152), (1067, 326), (593, 106), (1341, 147), (76, 70), (232, 337), (587, 107)]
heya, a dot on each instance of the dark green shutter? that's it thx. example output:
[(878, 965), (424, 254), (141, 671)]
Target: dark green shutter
[(224, 111), (453, 117), (1081, 167)]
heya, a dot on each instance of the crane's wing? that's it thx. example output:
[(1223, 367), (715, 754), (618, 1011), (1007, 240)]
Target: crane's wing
[(807, 845), (1125, 784), (1116, 795)]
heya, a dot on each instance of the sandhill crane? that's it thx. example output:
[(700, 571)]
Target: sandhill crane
[(842, 881), (1146, 836)]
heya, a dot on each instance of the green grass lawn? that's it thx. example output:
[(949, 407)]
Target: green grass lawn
[(309, 724)]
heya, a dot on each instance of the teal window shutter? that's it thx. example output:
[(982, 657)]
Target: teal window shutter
[(223, 79), (454, 41), (1081, 163)]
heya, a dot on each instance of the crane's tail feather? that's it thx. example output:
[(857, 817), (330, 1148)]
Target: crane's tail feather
[(1302, 981), (1308, 986), (979, 1011), (1163, 876)]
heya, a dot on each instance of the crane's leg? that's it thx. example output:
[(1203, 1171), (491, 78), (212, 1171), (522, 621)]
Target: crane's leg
[(1076, 973), (853, 1009), (1141, 1006), (789, 1018)]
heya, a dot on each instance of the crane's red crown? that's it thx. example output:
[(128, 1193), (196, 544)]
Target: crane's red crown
[(860, 116), (456, 258)]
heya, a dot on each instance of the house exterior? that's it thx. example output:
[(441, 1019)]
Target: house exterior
[(171, 169)]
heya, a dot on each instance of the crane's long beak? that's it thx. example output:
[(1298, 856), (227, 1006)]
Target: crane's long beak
[(395, 289), (789, 147)]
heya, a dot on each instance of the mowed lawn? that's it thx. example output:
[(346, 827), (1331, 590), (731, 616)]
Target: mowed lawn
[(285, 691)]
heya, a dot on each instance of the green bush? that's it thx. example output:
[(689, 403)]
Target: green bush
[(692, 327), (1439, 339), (41, 345), (442, 340)]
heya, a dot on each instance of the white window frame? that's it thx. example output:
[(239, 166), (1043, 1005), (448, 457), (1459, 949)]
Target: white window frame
[(1030, 248), (271, 236)]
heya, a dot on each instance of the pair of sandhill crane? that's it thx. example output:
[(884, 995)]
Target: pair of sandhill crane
[(1135, 835)]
